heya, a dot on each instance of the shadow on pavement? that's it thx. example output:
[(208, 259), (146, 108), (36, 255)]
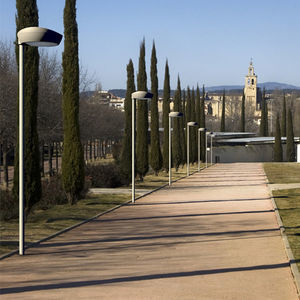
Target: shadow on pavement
[(187, 215), (201, 201), (76, 284), (138, 238)]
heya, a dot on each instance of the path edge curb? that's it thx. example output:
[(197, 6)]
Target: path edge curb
[(288, 250)]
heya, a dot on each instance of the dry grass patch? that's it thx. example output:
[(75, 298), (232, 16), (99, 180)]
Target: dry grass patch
[(287, 201), (283, 172)]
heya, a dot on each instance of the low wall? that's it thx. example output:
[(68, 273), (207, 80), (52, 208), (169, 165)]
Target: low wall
[(249, 153)]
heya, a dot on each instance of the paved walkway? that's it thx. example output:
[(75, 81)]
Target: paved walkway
[(212, 235)]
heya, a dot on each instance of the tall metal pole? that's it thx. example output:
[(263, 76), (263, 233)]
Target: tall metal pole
[(170, 155), (188, 152), (133, 149), (199, 150), (211, 149), (21, 150), (272, 116), (205, 149)]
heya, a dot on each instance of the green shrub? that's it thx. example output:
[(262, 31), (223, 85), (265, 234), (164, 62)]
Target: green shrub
[(53, 192), (116, 152), (104, 175), (8, 206)]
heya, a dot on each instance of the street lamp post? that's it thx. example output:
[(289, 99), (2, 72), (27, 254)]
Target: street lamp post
[(139, 95), (189, 124), (211, 146), (174, 114), (206, 134), (199, 145), (35, 37)]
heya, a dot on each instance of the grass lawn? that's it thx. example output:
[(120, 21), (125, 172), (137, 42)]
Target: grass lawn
[(283, 172), (42, 223), (287, 201)]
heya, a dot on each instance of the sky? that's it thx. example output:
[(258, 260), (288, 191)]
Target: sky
[(206, 42)]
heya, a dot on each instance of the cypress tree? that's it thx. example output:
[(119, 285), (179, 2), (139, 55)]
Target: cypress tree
[(125, 163), (283, 117), (277, 145), (176, 137), (142, 118), (155, 152), (184, 107), (222, 128), (262, 121), (166, 110), (72, 157), (27, 16), (188, 108), (266, 117), (197, 107), (243, 114), (290, 145), (263, 130), (183, 125), (189, 119), (193, 130), (202, 124)]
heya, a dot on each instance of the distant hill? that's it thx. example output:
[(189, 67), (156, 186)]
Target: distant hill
[(269, 86), (278, 86)]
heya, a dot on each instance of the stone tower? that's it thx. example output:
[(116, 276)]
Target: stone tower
[(250, 89)]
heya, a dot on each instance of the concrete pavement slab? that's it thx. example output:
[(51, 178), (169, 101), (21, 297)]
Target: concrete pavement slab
[(212, 235)]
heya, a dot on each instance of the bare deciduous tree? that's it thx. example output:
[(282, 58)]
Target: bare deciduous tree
[(8, 102), (100, 121)]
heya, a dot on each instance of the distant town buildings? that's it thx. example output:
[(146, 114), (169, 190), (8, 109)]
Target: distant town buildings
[(107, 98), (213, 100)]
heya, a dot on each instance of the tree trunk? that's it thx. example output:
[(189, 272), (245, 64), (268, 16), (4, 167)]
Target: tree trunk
[(85, 151), (90, 150), (94, 146), (5, 151), (97, 149), (56, 157), (50, 154), (42, 160), (1, 164)]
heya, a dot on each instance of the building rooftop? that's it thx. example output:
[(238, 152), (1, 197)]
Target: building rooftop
[(253, 140)]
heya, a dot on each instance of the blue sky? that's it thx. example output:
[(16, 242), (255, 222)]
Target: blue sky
[(206, 41)]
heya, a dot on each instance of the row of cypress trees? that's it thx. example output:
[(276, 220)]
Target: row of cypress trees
[(290, 145), (283, 128), (191, 105)]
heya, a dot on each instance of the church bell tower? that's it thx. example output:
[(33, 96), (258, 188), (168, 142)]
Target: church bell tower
[(250, 89)]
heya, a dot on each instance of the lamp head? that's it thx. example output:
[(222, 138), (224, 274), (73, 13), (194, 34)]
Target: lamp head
[(192, 124), (141, 95), (38, 37), (175, 114)]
